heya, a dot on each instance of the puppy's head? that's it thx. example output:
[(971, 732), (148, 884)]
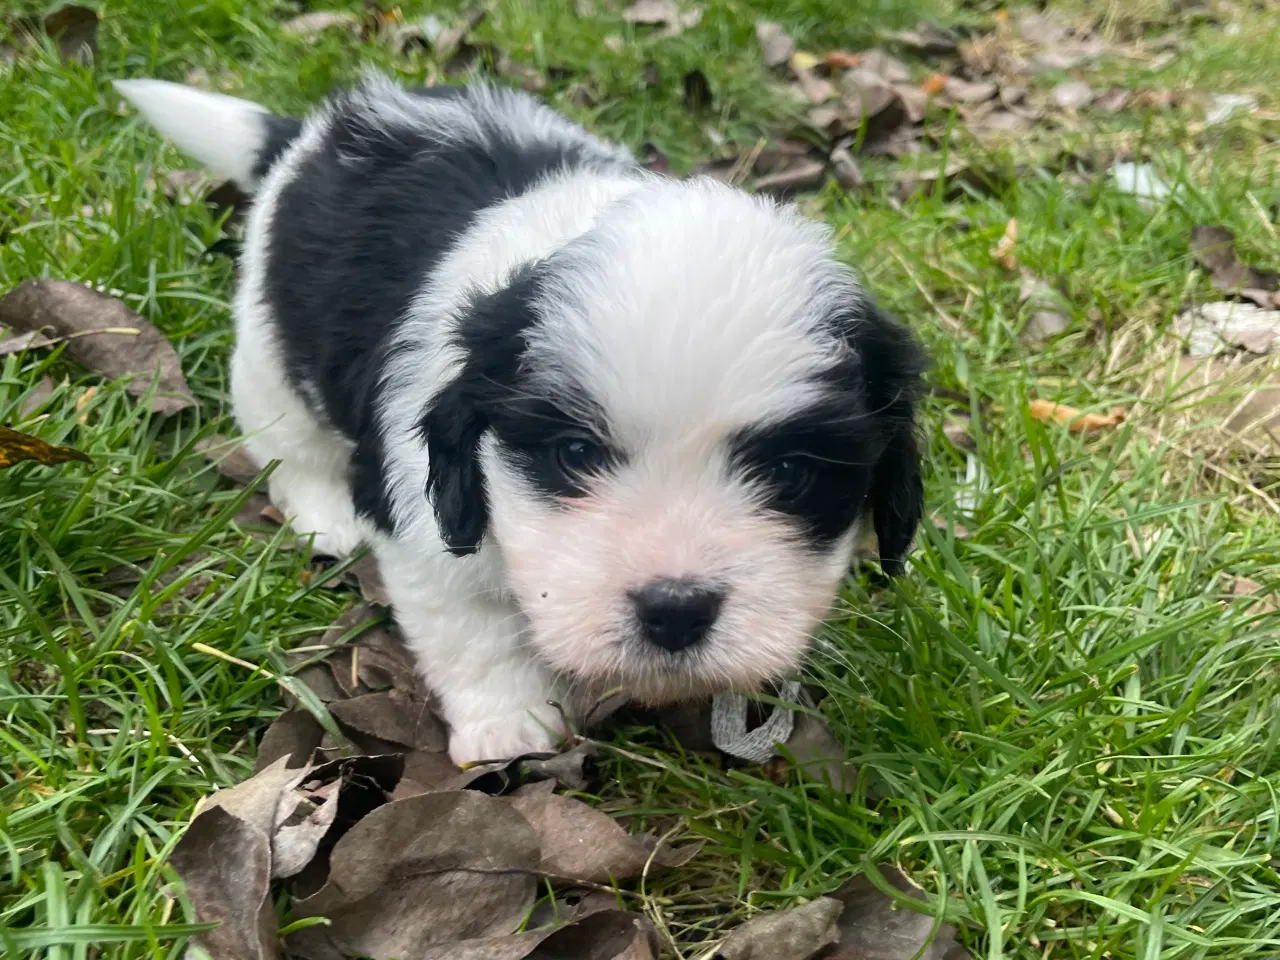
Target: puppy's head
[(672, 429)]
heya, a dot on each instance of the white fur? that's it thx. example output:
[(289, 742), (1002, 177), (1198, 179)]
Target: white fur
[(223, 133)]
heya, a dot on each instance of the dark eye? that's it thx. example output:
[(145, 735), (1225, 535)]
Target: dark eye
[(579, 457), (790, 477)]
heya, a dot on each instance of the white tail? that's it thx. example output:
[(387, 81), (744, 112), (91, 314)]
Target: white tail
[(223, 133)]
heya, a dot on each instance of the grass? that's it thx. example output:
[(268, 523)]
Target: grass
[(1066, 725)]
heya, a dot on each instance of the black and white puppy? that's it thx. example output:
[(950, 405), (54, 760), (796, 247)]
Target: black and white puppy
[(601, 427)]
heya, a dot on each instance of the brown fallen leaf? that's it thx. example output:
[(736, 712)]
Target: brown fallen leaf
[(1005, 252), (16, 446), (229, 458), (884, 65), (873, 927), (805, 175), (969, 91), (817, 754), (1072, 94), (666, 13), (585, 845), (74, 31), (776, 46), (844, 168), (603, 935), (1214, 248), (225, 866), (390, 716), (841, 59), (1225, 326), (35, 398), (935, 84), (293, 736), (368, 578), (69, 310), (927, 39), (22, 342), (309, 26), (800, 933), (428, 870), (450, 41), (1075, 420), (1251, 592)]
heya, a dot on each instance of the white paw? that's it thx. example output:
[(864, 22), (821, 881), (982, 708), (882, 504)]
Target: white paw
[(506, 735), (337, 542)]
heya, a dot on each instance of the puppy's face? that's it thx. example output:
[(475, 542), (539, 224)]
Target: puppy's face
[(671, 430)]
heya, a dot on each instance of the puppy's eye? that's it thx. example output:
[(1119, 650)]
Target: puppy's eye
[(578, 457), (790, 477)]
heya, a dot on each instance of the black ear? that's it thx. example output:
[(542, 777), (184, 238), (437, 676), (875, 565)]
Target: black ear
[(491, 336), (893, 363), (455, 484)]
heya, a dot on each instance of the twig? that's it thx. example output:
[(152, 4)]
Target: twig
[(947, 320)]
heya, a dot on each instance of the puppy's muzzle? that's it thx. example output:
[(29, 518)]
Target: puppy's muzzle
[(677, 613)]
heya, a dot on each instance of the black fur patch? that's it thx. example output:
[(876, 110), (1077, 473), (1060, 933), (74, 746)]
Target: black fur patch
[(856, 446), (281, 131), (354, 237)]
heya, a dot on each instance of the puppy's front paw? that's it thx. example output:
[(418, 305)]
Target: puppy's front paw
[(505, 735)]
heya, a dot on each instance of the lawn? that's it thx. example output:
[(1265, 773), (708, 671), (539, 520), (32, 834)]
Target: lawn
[(1066, 717)]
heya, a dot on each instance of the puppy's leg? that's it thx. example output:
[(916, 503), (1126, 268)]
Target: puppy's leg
[(469, 645), (310, 484)]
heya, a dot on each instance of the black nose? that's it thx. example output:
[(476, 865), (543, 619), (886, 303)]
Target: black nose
[(675, 614)]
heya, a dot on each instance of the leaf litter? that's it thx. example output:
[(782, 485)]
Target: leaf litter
[(102, 335), (404, 854)]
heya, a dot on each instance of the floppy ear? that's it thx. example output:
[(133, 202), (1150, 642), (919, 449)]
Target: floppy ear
[(492, 339), (893, 364), (455, 483)]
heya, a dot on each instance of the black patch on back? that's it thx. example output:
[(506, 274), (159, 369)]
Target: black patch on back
[(281, 131), (354, 237)]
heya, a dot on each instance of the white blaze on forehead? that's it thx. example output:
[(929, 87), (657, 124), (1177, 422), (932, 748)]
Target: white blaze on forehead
[(692, 305)]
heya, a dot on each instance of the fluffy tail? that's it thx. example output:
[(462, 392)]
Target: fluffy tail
[(233, 138)]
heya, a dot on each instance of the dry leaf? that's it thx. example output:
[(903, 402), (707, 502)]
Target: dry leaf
[(957, 431), (967, 91), (225, 865), (229, 458), (297, 839), (887, 67), (1214, 248), (1213, 328), (1223, 106), (369, 579), (841, 59), (664, 12), (22, 342), (1075, 420), (928, 39), (582, 844), (819, 755), (452, 40), (804, 175), (309, 26), (70, 310), (845, 169), (1072, 94), (1251, 593), (1005, 252), (427, 870), (873, 927), (74, 30), (1043, 325), (776, 46), (293, 736), (35, 398), (16, 446), (935, 84), (796, 934)]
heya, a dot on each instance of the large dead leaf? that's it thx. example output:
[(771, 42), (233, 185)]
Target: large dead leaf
[(72, 28), (1214, 248), (776, 46), (1223, 327), (666, 13), (873, 927), (225, 865), (582, 844), (16, 446), (75, 312), (428, 870), (229, 458), (796, 934), (309, 26)]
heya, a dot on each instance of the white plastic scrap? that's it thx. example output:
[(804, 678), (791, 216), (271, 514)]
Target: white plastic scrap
[(729, 724), (1142, 181)]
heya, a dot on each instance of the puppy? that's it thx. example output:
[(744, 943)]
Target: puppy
[(601, 428)]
